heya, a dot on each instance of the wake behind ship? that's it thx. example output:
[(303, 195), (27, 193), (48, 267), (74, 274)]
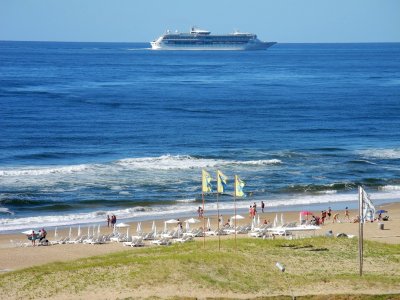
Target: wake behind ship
[(198, 39)]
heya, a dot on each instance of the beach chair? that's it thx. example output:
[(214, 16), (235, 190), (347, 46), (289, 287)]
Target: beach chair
[(165, 241), (184, 239)]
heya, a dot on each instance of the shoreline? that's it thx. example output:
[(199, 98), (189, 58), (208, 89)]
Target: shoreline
[(23, 257), (277, 206)]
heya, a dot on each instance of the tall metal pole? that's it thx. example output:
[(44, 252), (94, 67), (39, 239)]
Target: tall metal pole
[(219, 236), (234, 204), (360, 229), (204, 222)]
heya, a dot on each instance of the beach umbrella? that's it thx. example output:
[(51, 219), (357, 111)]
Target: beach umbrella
[(192, 221), (172, 221), (300, 218), (258, 220), (221, 221), (306, 213), (237, 217), (155, 231), (165, 226), (70, 232), (208, 223), (98, 230), (275, 221), (282, 220), (139, 227), (381, 211), (252, 224), (153, 227), (127, 232), (88, 230), (79, 230), (28, 232), (187, 226), (55, 233), (94, 230)]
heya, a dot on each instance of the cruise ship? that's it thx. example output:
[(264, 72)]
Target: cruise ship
[(199, 39)]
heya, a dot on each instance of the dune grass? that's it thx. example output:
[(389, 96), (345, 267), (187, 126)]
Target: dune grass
[(313, 266)]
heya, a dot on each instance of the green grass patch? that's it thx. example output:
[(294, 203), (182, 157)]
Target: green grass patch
[(245, 268)]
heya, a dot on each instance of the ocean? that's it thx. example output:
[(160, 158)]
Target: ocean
[(90, 129)]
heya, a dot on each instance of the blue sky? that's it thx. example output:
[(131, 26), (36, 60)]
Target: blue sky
[(142, 21)]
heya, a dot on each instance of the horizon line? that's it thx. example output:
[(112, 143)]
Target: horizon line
[(146, 42)]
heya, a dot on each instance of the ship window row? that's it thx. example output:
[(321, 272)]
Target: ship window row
[(234, 38), (186, 42)]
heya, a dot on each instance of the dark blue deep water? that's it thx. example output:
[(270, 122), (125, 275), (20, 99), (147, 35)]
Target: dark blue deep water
[(94, 128)]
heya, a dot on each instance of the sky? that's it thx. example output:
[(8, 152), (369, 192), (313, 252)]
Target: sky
[(284, 21)]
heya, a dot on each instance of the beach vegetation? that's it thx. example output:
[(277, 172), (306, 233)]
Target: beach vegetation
[(245, 268)]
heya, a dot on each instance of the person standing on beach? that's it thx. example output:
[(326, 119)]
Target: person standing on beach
[(329, 213), (108, 220), (262, 206), (346, 213), (33, 238)]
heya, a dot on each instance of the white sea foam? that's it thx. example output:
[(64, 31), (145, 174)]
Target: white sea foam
[(44, 170), (164, 162), (390, 188), (381, 153), (167, 162), (186, 200)]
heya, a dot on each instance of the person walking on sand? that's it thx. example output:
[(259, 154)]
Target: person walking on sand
[(262, 206), (346, 213), (108, 220)]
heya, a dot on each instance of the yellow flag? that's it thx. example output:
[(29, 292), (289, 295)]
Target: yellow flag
[(221, 182), (205, 182), (239, 185)]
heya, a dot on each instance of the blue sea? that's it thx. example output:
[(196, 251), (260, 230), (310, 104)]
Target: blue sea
[(90, 129)]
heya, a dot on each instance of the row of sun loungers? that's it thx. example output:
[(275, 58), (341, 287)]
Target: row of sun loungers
[(181, 236)]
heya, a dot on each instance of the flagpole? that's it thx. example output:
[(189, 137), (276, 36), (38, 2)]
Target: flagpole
[(234, 205), (360, 229), (219, 236), (204, 222)]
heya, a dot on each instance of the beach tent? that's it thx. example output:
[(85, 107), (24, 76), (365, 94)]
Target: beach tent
[(28, 232), (192, 221), (172, 221), (237, 217)]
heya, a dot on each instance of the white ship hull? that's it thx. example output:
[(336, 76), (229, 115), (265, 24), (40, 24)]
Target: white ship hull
[(241, 47)]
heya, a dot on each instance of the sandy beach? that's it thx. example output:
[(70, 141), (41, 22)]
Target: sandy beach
[(14, 258)]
